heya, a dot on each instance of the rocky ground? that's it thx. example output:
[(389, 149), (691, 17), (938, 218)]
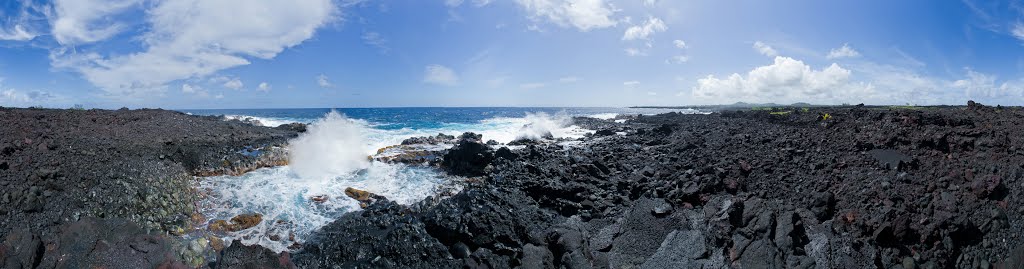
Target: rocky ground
[(71, 176), (825, 187), (855, 187)]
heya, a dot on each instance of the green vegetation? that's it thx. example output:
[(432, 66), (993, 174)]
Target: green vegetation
[(781, 112)]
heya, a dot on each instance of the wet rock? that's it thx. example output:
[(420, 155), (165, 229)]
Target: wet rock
[(430, 140), (382, 235), (238, 223), (505, 153), (359, 195), (469, 157), (295, 127), (242, 256)]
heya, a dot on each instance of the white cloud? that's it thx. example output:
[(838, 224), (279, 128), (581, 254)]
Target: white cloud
[(652, 93), (88, 21), (440, 75), (456, 3), (644, 31), (786, 80), (582, 14), (984, 87), (234, 84), (530, 86), (1018, 31), (452, 3), (635, 52), (13, 97), (376, 40), (678, 59), (186, 88), (265, 87), (650, 2), (764, 49), (323, 82), (631, 85), (679, 44), (17, 34), (194, 89), (570, 79), (843, 52), (185, 38)]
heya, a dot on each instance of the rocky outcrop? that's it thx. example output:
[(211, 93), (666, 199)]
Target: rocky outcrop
[(58, 166), (469, 157)]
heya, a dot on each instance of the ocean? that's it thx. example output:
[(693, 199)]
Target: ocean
[(332, 156)]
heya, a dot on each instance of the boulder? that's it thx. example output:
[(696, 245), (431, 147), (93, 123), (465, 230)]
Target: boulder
[(469, 157)]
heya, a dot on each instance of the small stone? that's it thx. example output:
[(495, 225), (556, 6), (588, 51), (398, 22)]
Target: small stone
[(662, 209), (320, 198)]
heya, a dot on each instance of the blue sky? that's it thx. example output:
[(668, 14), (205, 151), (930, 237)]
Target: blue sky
[(381, 53)]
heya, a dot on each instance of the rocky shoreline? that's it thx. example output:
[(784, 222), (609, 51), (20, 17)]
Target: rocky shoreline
[(822, 187)]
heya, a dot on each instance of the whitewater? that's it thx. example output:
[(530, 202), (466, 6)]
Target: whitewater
[(333, 155)]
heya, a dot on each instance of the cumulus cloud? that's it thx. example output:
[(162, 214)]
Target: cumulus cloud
[(581, 14), (679, 44), (440, 75), (786, 80), (234, 84), (644, 31), (982, 86), (16, 98), (186, 88), (264, 87), (185, 38), (764, 49), (843, 52), (323, 82), (194, 90)]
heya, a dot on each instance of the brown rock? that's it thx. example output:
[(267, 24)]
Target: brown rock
[(320, 198), (359, 195), (216, 243), (246, 221)]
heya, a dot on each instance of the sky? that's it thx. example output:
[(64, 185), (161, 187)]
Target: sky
[(183, 54)]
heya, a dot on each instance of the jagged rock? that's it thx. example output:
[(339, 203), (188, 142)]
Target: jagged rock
[(469, 157), (381, 235), (241, 256)]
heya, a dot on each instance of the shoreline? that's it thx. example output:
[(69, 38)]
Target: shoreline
[(823, 186)]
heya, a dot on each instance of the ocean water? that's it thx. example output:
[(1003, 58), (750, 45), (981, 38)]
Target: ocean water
[(332, 156)]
